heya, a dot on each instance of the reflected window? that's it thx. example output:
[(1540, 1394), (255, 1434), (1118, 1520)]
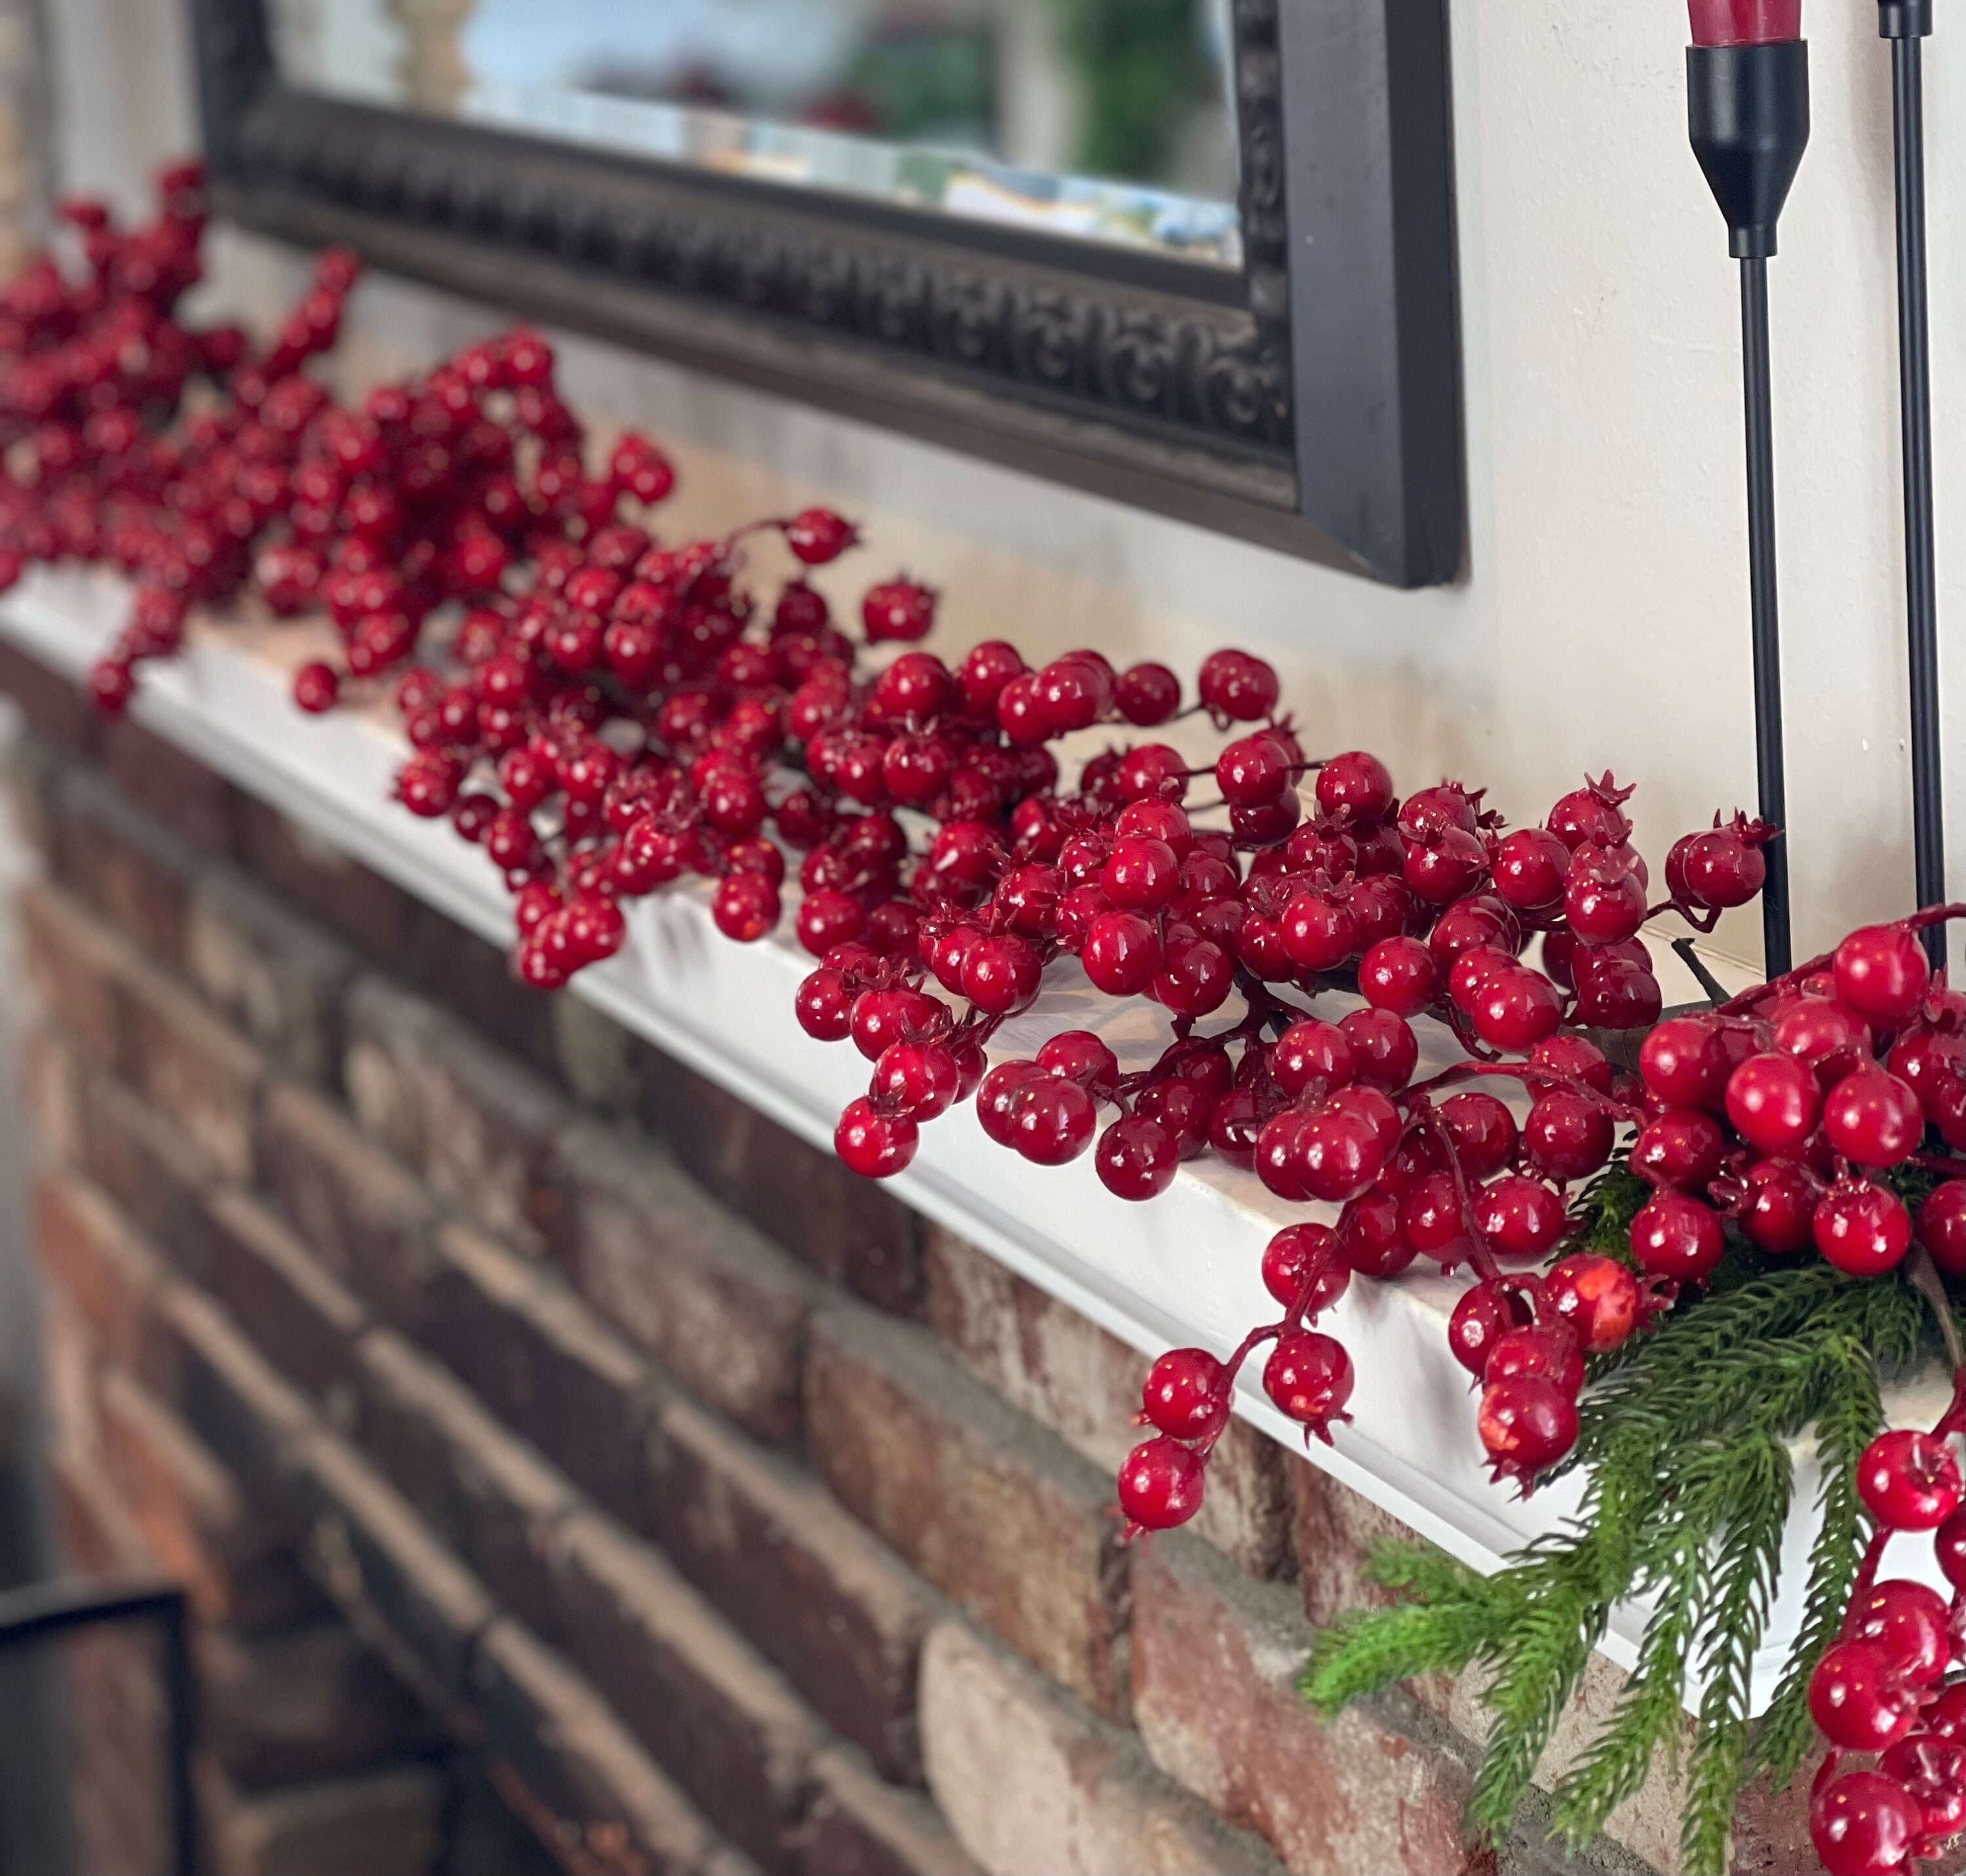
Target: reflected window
[(1106, 120)]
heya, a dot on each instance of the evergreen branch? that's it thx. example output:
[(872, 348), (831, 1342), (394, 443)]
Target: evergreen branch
[(1745, 1573)]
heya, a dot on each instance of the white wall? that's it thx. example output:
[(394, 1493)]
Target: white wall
[(1604, 621)]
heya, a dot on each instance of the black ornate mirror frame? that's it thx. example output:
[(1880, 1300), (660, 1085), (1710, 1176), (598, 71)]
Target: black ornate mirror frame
[(1308, 400)]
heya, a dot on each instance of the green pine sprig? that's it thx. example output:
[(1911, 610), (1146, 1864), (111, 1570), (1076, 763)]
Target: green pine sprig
[(1683, 1438)]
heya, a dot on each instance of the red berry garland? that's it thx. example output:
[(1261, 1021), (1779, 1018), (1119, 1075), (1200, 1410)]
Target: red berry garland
[(604, 713)]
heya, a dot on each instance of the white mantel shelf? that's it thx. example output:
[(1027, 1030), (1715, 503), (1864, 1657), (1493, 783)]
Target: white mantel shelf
[(1184, 1269)]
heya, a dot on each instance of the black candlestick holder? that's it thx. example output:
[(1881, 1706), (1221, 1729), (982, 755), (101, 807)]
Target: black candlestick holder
[(1747, 116), (1906, 24)]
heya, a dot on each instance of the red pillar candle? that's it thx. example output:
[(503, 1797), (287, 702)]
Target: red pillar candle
[(1744, 22)]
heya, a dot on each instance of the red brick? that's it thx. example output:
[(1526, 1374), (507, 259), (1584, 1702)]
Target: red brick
[(362, 906), (485, 1493), (1029, 1780), (95, 1535), (31, 767), (1051, 1363), (279, 978), (294, 1313), (721, 1721), (384, 1564), (542, 1360), (993, 1509), (87, 1247), (75, 965), (192, 1067), (308, 1703), (53, 704), (249, 1416), (859, 1826), (717, 1307), (479, 1127), (51, 1084), (845, 1227), (152, 1170), (353, 1205), (387, 1824), (472, 979), (1336, 1530), (196, 801), (131, 870), (820, 1597), (1215, 1661), (233, 1553), (567, 1765)]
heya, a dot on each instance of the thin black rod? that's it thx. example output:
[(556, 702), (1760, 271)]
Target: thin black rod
[(1766, 628), (1915, 402), (180, 1692)]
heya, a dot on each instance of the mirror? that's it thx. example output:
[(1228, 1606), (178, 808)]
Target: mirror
[(1105, 121)]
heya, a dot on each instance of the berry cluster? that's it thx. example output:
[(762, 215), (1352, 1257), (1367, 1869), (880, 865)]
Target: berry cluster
[(604, 713), (1890, 1686)]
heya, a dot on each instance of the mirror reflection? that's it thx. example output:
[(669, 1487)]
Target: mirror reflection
[(1109, 120)]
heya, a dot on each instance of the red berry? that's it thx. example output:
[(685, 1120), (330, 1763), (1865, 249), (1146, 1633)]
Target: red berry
[(1932, 1770), (1677, 1237), (1137, 1157), (746, 907), (1483, 1130), (1598, 1297), (1080, 1057), (1486, 1312), (317, 688), (111, 684), (1873, 1118), (1942, 1227), (1950, 1542), (1187, 1394), (1522, 1219), (1825, 1035), (1862, 1229), (1549, 1350), (1858, 1699), (918, 1079), (898, 610), (1053, 1122), (1882, 973), (1123, 953), (1355, 789), (1681, 1147), (1515, 1009), (818, 535), (1147, 693), (1237, 686), (1567, 1135), (1530, 868), (1779, 1214), (1686, 1062), (875, 1145), (1773, 1102), (1289, 1258), (1000, 1095), (1399, 975), (1309, 1376), (1160, 1485), (824, 1006), (1527, 1424), (1908, 1621), (1864, 1824), (1909, 1479), (1371, 1235)]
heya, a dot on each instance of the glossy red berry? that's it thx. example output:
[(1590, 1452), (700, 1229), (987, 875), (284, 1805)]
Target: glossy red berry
[(1907, 1620), (1160, 1484), (1862, 1229), (1293, 1255), (1858, 1699), (1147, 693), (1522, 1219), (1187, 1394), (1399, 975), (918, 1079), (1773, 1102), (1909, 1481), (1483, 1130), (1527, 1424), (1137, 1157), (1942, 1227), (1882, 973), (1568, 1136), (1676, 1237), (1598, 1297), (1237, 686), (1950, 1542), (1487, 1311), (1309, 1376), (1872, 1118), (818, 535), (1053, 1121), (875, 1144), (1864, 1824), (317, 688)]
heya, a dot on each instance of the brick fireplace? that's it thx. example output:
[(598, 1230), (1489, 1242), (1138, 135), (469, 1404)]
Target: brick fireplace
[(572, 1469)]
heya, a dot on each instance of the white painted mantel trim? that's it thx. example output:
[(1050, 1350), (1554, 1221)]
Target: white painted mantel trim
[(1184, 1269)]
